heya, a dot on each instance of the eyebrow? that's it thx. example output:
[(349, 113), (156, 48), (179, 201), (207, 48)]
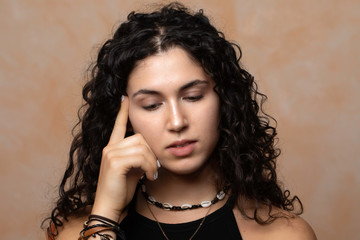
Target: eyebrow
[(184, 87)]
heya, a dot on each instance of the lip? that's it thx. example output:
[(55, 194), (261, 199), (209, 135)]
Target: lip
[(180, 142), (182, 148)]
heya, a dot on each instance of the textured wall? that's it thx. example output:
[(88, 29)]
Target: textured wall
[(304, 54)]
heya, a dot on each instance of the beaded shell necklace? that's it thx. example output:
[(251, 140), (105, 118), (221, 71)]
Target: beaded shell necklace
[(168, 206)]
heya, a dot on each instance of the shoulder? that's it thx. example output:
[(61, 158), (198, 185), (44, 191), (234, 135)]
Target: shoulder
[(72, 227), (290, 226)]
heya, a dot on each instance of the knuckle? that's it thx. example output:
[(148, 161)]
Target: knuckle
[(105, 151), (110, 155), (113, 164), (139, 138), (139, 148), (142, 148)]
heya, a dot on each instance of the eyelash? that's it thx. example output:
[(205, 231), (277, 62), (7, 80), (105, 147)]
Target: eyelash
[(155, 106), (151, 107), (194, 98)]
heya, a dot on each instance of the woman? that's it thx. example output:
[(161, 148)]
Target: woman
[(189, 155)]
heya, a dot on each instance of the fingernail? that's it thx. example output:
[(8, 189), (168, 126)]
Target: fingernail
[(158, 163), (156, 175), (122, 98)]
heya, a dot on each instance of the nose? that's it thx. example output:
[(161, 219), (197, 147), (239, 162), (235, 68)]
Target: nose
[(177, 120)]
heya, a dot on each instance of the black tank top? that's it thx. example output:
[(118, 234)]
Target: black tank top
[(220, 224)]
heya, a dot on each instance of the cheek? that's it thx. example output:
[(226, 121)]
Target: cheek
[(144, 125), (212, 116), (137, 120), (206, 121), (213, 127)]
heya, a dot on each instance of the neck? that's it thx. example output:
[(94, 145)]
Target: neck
[(179, 189)]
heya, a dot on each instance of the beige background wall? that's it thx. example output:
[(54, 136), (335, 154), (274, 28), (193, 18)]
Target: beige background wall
[(304, 54)]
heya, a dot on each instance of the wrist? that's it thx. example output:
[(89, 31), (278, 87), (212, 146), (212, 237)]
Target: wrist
[(106, 212), (99, 227)]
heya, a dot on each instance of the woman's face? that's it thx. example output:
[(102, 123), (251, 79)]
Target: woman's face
[(173, 105)]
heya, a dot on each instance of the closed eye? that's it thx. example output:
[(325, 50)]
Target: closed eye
[(152, 107), (193, 98)]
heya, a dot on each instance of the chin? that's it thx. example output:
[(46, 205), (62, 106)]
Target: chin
[(185, 167)]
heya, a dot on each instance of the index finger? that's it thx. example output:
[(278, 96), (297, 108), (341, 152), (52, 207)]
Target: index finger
[(119, 130)]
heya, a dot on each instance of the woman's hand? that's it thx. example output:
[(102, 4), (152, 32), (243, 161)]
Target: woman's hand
[(124, 161)]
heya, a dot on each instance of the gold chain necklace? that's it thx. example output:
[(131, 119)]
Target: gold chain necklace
[(162, 230)]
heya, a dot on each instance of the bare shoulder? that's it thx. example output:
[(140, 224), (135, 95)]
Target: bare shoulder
[(290, 226)]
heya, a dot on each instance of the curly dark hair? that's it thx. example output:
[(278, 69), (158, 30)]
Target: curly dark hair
[(245, 152)]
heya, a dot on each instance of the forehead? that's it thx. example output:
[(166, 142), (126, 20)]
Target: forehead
[(166, 70)]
